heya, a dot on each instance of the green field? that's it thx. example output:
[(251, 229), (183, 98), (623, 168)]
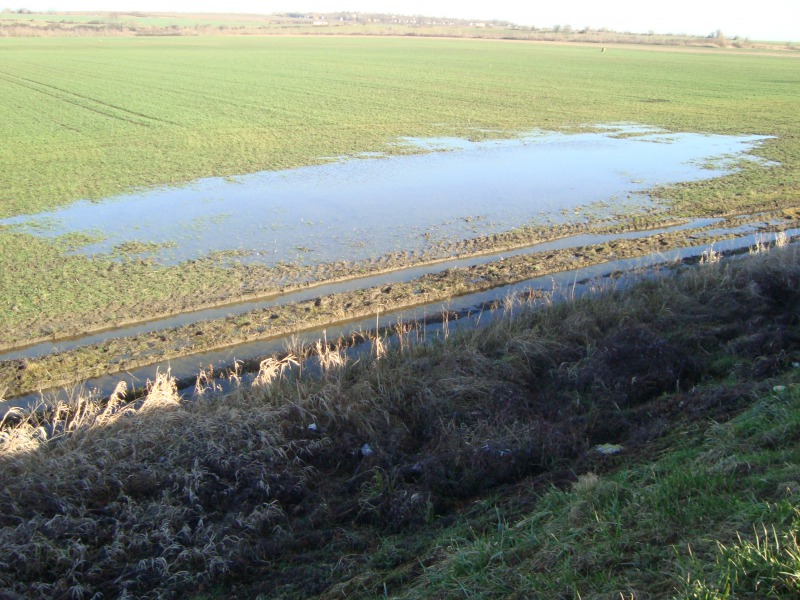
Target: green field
[(90, 118), (93, 117)]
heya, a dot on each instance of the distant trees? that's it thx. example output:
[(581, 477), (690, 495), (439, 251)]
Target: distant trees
[(720, 38)]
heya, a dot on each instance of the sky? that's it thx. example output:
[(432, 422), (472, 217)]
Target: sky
[(776, 20)]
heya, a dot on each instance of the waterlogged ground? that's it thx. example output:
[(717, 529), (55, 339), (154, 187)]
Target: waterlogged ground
[(378, 235), (369, 206)]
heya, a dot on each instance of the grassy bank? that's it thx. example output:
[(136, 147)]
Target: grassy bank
[(462, 468), (91, 118)]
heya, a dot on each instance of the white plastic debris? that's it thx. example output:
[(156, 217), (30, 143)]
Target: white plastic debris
[(608, 448), (366, 450), (779, 388), (312, 427)]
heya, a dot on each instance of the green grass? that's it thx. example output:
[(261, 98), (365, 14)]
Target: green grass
[(43, 288), (716, 519), (94, 117)]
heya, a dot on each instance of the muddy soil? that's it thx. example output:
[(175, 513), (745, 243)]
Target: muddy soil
[(261, 282), (23, 376), (254, 282)]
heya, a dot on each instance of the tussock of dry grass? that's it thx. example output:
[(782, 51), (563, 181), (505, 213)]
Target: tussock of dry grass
[(270, 487)]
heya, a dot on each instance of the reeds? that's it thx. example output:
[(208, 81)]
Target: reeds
[(145, 498)]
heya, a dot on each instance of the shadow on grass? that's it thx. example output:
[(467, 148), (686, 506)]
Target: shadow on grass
[(287, 488)]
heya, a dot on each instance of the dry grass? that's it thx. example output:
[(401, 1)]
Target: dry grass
[(145, 499)]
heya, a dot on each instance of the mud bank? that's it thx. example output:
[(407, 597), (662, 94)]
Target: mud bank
[(26, 375)]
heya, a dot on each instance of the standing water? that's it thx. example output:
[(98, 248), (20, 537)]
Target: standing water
[(366, 207)]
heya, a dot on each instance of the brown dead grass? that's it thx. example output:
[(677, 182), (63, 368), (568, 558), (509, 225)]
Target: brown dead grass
[(269, 488)]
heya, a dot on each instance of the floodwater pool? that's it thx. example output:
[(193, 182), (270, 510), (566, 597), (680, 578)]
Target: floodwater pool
[(361, 208)]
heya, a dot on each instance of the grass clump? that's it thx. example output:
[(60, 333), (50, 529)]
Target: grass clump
[(464, 467), (766, 567)]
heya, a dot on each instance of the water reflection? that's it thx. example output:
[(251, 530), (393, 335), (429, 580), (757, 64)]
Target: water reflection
[(367, 207)]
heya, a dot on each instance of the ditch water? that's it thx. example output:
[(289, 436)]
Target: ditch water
[(471, 311), (362, 208), (400, 275)]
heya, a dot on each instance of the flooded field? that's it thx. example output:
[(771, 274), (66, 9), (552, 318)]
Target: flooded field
[(370, 206), (439, 227), (428, 321)]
